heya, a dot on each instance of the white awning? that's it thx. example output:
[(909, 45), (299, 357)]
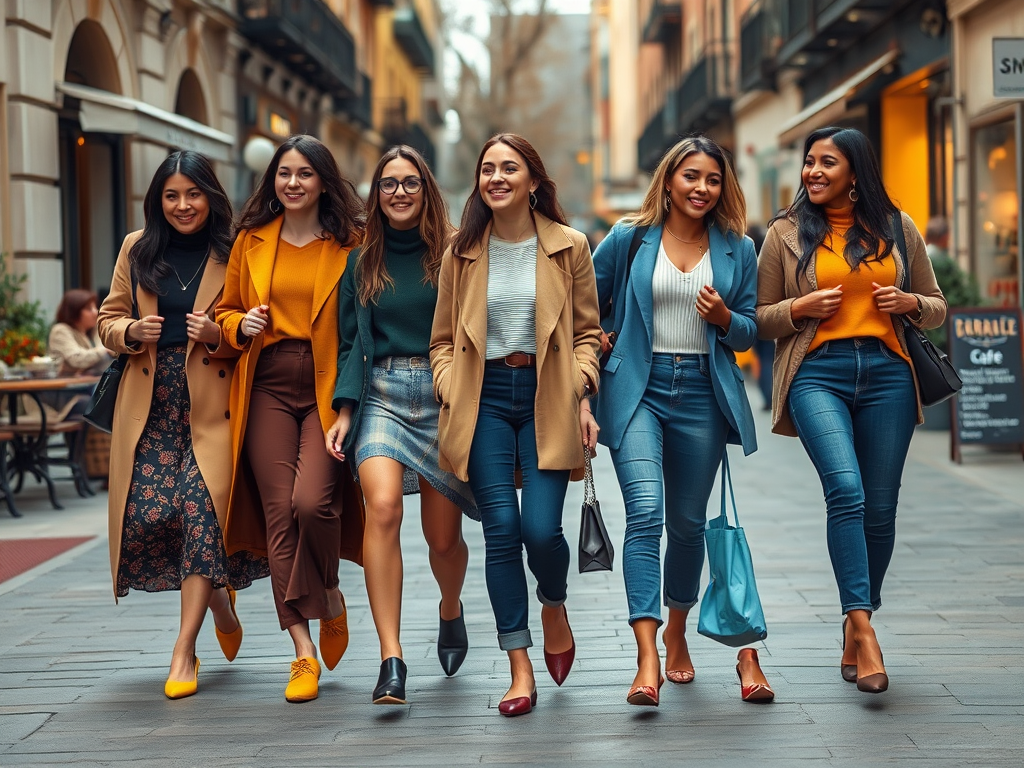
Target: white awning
[(831, 106), (105, 112)]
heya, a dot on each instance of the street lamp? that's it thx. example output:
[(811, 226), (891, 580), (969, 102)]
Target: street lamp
[(257, 153)]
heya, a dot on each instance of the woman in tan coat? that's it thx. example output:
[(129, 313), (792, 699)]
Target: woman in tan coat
[(513, 349), (280, 310), (170, 464)]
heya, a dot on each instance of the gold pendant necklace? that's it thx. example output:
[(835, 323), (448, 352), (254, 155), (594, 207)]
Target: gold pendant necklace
[(699, 242), (184, 286)]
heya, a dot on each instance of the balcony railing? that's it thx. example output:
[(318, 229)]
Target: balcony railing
[(664, 19), (653, 141), (307, 37), (397, 129), (809, 30), (411, 35), (359, 107), (756, 55), (419, 139), (706, 93)]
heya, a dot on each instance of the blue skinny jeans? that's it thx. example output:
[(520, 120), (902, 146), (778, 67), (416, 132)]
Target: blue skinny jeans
[(666, 465), (504, 433), (854, 408)]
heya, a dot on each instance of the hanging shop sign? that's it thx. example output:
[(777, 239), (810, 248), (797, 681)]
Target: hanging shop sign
[(985, 347), (1008, 67)]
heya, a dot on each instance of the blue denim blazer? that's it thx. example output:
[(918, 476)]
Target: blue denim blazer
[(624, 377)]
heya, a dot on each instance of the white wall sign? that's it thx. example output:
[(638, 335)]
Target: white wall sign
[(1008, 67)]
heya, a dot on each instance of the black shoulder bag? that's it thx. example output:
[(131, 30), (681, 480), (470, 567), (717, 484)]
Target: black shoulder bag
[(104, 397), (596, 552), (937, 379), (634, 246)]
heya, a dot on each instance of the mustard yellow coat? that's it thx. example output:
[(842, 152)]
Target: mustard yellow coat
[(209, 381), (247, 285), (568, 339)]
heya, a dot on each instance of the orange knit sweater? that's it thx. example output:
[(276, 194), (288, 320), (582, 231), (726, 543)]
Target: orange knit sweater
[(858, 315), (291, 291)]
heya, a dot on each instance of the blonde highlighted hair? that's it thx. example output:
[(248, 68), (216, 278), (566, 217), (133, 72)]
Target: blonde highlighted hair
[(729, 213)]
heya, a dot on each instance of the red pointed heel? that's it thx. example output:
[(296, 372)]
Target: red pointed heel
[(757, 693)]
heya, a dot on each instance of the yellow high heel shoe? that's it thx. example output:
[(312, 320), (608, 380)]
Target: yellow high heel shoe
[(230, 642), (334, 637), (175, 689)]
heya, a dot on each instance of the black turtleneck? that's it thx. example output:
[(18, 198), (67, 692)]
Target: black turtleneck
[(186, 255), (403, 315)]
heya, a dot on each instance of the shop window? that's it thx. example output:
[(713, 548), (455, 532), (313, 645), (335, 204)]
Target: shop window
[(996, 214)]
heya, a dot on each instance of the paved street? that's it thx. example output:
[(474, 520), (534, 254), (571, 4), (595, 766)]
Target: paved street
[(81, 678)]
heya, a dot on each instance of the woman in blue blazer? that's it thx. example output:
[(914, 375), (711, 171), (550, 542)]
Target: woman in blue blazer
[(672, 395)]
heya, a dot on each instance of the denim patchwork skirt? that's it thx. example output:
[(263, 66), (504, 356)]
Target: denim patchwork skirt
[(399, 421)]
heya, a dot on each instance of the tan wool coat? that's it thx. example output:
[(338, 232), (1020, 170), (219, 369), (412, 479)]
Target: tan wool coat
[(568, 339), (249, 274), (209, 381), (779, 285)]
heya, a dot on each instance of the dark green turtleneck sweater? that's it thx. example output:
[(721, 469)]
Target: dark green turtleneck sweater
[(403, 315)]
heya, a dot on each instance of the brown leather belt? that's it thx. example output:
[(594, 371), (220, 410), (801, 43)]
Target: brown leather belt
[(515, 360)]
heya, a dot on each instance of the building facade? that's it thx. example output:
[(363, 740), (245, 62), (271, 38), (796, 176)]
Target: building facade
[(95, 93)]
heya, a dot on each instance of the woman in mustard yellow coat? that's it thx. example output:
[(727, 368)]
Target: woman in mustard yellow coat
[(280, 310)]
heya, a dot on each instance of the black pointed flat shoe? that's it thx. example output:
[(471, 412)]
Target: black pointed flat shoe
[(452, 643), (391, 682)]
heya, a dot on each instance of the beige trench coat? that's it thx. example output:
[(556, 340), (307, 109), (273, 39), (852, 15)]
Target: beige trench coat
[(209, 385), (568, 339)]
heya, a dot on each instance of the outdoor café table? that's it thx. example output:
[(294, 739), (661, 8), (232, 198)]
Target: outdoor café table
[(29, 447)]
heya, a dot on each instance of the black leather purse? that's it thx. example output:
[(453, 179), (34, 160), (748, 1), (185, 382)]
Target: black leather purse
[(937, 379), (104, 397), (596, 552)]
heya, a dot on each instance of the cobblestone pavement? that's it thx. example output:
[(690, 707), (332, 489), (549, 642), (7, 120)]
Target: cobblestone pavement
[(81, 678)]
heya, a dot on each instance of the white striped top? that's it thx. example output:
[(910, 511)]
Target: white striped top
[(678, 326), (511, 297)]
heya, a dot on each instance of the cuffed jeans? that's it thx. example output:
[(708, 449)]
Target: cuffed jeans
[(504, 431), (854, 408), (666, 465)]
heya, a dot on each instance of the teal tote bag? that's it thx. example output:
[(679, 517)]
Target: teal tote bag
[(731, 609)]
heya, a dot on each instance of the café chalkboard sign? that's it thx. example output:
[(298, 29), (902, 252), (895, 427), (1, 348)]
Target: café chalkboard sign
[(985, 347)]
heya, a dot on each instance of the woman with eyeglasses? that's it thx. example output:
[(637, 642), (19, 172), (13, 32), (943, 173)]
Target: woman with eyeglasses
[(387, 415)]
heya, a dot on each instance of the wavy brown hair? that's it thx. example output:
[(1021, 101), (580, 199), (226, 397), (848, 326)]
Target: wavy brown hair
[(477, 214), (730, 213), (435, 229), (341, 211)]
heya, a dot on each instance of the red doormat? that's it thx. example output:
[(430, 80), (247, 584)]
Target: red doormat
[(19, 555)]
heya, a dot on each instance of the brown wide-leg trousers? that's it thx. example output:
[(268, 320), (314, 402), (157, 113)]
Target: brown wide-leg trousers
[(284, 444)]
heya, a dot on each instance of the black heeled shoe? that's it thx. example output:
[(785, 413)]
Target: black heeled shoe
[(391, 682), (452, 643)]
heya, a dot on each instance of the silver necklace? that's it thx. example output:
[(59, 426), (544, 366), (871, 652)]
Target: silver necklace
[(184, 286)]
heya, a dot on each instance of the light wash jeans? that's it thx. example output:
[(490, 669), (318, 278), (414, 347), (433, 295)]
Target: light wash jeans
[(854, 408), (504, 431), (666, 465)]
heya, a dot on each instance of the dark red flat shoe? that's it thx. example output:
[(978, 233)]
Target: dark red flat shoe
[(521, 705), (757, 693), (559, 664)]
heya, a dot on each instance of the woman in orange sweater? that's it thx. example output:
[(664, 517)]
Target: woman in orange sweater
[(829, 279), (280, 309)]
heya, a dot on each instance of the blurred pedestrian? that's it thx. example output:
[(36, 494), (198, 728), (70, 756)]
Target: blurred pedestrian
[(73, 342), (170, 465), (513, 349), (387, 414), (829, 292), (672, 394), (280, 310)]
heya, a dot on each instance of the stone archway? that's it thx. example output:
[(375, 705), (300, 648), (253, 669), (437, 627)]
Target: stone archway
[(105, 17), (91, 60), (189, 101)]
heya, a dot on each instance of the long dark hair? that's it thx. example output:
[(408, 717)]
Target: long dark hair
[(873, 211), (70, 309), (476, 215), (435, 229), (147, 255), (341, 211)]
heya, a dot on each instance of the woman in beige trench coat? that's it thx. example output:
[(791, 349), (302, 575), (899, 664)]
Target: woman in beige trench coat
[(170, 461)]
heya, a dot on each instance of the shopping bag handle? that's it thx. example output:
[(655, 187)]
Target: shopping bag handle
[(727, 481)]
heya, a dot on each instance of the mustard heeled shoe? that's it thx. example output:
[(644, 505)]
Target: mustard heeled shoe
[(334, 637), (230, 642), (176, 689)]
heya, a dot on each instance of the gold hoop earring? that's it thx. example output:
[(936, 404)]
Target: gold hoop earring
[(854, 194), (668, 202), (533, 201), (280, 207)]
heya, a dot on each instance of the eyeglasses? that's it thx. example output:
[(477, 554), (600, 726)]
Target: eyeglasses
[(411, 184)]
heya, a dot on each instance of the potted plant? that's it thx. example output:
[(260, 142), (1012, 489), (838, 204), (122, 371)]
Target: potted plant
[(23, 326)]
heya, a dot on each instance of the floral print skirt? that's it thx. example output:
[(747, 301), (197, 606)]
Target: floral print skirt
[(170, 528)]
